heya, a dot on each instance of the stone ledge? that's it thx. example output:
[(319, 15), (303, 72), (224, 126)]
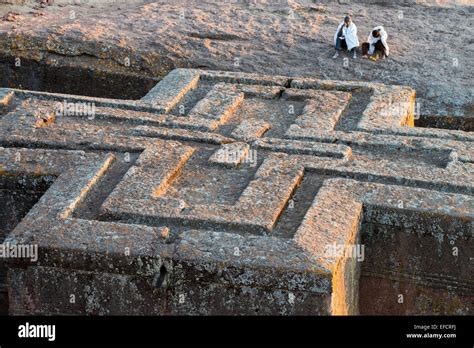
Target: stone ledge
[(169, 91)]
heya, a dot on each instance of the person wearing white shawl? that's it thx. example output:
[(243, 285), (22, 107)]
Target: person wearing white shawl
[(346, 37), (377, 41)]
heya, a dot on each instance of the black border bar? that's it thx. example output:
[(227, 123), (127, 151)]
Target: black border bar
[(243, 330)]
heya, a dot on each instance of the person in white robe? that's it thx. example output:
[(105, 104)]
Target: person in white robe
[(346, 37), (376, 42)]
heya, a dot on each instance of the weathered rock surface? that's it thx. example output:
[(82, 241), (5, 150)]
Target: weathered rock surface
[(235, 193), (429, 52)]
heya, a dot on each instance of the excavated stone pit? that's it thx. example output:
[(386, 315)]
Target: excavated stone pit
[(67, 79), (17, 196)]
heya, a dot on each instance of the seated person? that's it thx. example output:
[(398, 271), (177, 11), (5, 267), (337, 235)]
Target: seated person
[(377, 43), (346, 37)]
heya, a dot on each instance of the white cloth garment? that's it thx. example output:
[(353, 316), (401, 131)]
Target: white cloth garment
[(349, 33), (373, 40)]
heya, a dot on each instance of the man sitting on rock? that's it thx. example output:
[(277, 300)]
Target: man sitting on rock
[(346, 37), (377, 44)]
